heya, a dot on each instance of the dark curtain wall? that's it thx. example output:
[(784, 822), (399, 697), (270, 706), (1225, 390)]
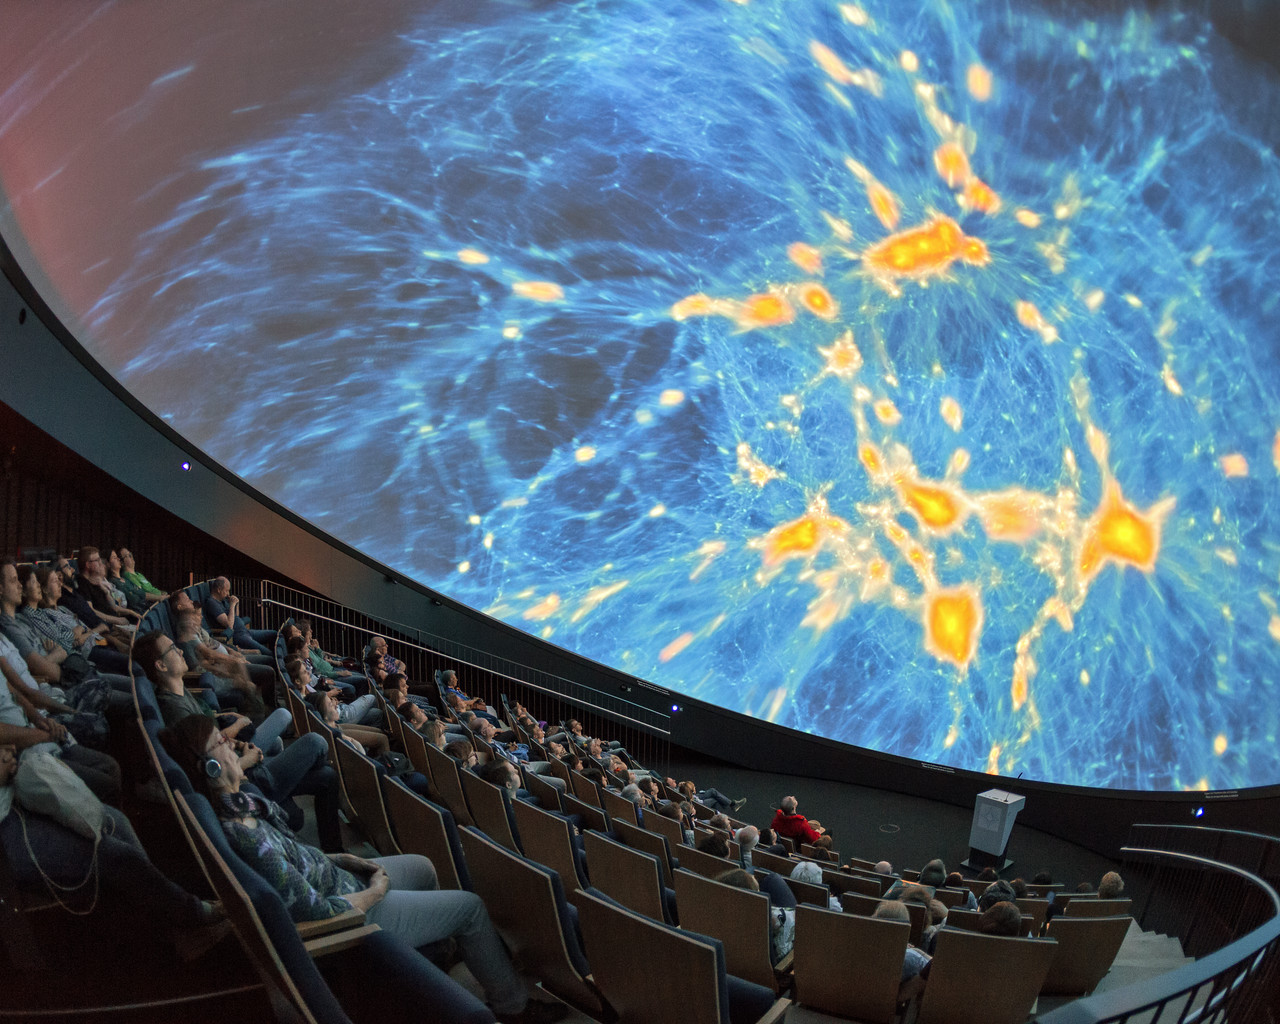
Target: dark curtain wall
[(52, 501)]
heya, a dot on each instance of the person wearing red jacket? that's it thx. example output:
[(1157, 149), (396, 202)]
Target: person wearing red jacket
[(786, 822)]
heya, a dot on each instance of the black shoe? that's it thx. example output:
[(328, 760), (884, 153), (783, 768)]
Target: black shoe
[(535, 1012), (737, 805)]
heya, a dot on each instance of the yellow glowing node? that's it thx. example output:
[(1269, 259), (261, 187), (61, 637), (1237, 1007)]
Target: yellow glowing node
[(657, 511), (671, 397), (764, 310), (1093, 301), (1119, 533), (951, 163), (1275, 451), (805, 256), (935, 507), (1220, 744), (980, 196), (1027, 218), (698, 304), (952, 414), (843, 357), (539, 291), (870, 457), (909, 61), (925, 251), (855, 15), (952, 621), (585, 454), (993, 760), (800, 537), (675, 647), (474, 256), (1018, 692), (978, 79), (464, 567), (887, 413), (1273, 627), (818, 301), (1084, 677), (1234, 465), (883, 204), (544, 608)]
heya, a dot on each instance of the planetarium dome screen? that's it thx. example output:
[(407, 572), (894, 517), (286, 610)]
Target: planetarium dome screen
[(907, 373)]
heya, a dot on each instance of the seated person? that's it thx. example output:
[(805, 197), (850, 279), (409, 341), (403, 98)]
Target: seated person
[(42, 852), (712, 797), (914, 961), (262, 673), (71, 599), (396, 690), (400, 893), (222, 612), (227, 677), (1003, 918), (94, 587), (378, 662), (296, 650), (769, 843), (787, 822), (129, 571), (431, 729), (88, 639), (25, 722), (461, 708), (365, 738), (463, 753), (672, 811), (808, 871), (1111, 887), (955, 880), (782, 918), (998, 891), (322, 664), (506, 775), (932, 876), (135, 598)]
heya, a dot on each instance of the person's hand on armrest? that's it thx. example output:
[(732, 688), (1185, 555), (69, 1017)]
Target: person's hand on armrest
[(367, 899)]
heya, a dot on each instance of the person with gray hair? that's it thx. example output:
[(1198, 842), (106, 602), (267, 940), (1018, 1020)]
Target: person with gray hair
[(748, 836), (811, 872)]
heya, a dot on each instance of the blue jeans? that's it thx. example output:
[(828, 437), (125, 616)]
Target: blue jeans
[(418, 911)]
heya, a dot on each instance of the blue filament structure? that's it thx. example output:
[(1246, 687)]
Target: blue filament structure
[(571, 465)]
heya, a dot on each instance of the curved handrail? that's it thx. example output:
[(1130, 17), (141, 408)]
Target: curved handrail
[(1253, 954)]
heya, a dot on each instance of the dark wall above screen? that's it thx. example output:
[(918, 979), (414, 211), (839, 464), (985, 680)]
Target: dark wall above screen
[(902, 373)]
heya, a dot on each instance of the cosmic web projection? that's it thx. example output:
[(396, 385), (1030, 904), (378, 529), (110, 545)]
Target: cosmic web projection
[(903, 373)]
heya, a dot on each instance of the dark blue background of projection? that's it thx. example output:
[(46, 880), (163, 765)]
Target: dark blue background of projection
[(423, 296)]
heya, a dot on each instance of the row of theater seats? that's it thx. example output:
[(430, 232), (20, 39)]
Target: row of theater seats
[(582, 937)]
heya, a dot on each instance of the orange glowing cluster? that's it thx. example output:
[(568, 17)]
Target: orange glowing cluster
[(952, 622), (925, 251), (937, 508), (806, 257), (1119, 533), (818, 301), (801, 537), (766, 309)]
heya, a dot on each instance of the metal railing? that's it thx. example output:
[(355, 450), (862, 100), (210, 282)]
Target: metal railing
[(1226, 916), (643, 731)]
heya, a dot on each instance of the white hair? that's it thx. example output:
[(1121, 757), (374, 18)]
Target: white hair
[(807, 871)]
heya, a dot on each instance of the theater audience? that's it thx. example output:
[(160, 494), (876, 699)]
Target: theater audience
[(95, 589), (998, 891), (378, 662), (322, 664), (955, 880), (808, 871), (932, 876), (400, 894)]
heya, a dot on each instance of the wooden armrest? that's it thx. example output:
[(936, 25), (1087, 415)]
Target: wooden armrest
[(776, 1012), (336, 942), (314, 929), (785, 965)]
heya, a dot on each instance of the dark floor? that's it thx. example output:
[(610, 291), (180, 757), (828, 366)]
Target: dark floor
[(875, 825)]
